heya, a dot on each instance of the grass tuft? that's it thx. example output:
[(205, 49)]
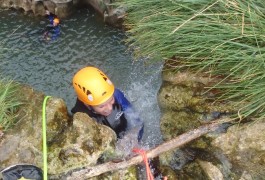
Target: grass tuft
[(221, 37), (9, 103)]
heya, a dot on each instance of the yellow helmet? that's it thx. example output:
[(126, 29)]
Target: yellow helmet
[(56, 20), (92, 86)]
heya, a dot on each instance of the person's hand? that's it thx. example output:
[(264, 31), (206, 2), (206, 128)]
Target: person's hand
[(47, 12)]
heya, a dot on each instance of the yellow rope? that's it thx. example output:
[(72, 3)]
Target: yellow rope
[(44, 139)]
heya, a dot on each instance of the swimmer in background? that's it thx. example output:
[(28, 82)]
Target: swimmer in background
[(52, 31)]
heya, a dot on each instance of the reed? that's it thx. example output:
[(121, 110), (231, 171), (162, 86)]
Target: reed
[(9, 103), (221, 37)]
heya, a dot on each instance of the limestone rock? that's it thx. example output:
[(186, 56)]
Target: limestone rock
[(71, 144), (211, 170), (65, 8), (85, 142), (244, 145)]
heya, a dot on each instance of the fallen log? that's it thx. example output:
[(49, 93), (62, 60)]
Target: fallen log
[(180, 140)]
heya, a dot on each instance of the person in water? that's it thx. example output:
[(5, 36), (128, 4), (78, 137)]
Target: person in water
[(98, 97), (52, 31)]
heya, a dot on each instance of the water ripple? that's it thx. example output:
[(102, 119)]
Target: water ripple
[(50, 66)]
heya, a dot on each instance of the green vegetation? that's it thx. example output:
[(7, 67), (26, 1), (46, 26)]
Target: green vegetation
[(9, 103), (223, 38)]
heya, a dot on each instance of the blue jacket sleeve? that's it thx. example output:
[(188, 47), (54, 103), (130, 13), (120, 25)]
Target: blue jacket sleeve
[(121, 99), (51, 17), (133, 119)]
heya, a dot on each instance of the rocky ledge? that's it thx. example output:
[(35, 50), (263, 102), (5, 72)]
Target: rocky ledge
[(64, 8)]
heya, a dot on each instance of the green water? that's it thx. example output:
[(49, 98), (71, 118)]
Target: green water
[(48, 66)]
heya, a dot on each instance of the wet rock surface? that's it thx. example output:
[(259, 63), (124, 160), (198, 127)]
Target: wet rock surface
[(244, 146), (230, 152), (65, 8), (72, 142)]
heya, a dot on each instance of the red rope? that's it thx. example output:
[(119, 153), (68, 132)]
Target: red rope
[(145, 159)]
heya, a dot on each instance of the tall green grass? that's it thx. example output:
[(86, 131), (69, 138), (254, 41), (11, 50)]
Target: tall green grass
[(10, 100), (221, 37)]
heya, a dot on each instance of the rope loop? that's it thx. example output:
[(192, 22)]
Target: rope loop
[(145, 159)]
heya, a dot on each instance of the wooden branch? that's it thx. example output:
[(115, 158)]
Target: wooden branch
[(164, 147)]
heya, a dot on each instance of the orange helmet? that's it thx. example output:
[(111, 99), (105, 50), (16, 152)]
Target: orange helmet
[(92, 86), (56, 20)]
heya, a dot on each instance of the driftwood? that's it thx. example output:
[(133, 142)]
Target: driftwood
[(164, 147)]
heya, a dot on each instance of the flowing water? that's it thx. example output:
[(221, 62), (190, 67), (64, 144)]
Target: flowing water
[(49, 66)]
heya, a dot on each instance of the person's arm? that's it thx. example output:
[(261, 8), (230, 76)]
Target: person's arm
[(50, 16), (121, 99), (135, 126), (131, 115)]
